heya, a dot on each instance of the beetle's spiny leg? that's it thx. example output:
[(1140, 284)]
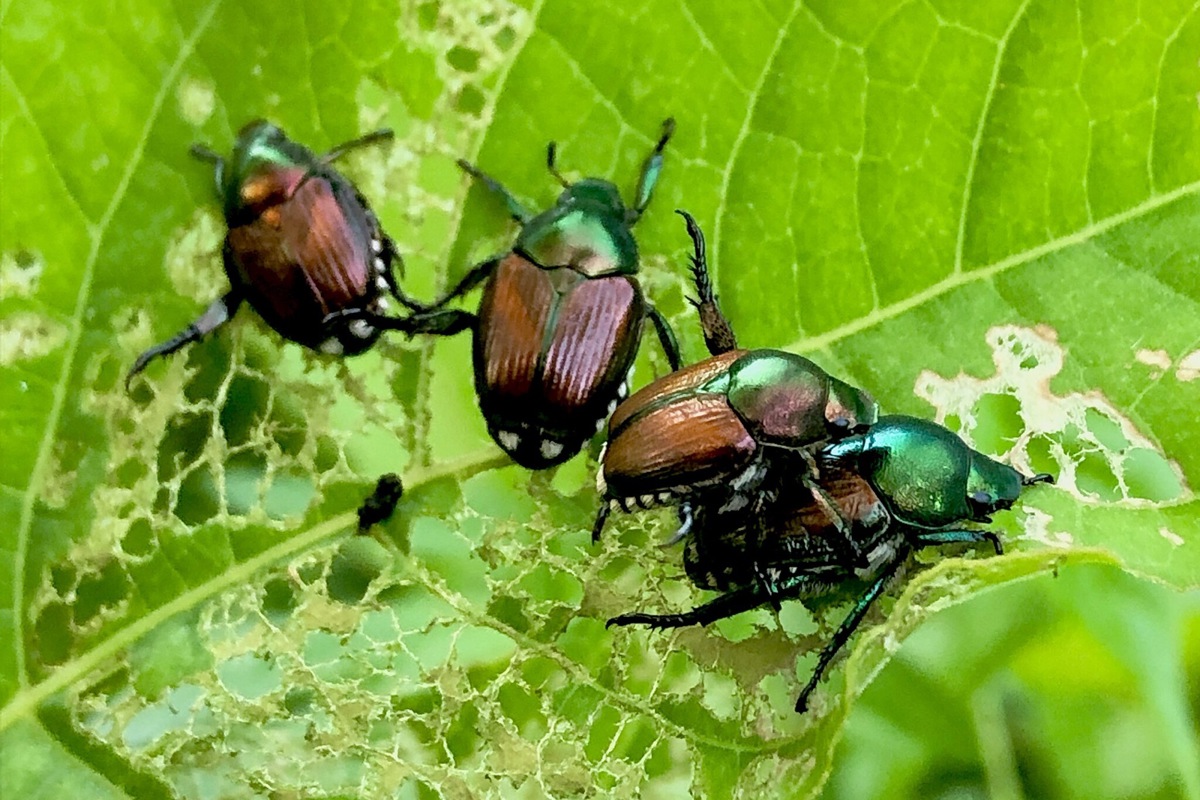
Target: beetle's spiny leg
[(718, 333), (1041, 477), (666, 337), (465, 284), (437, 323), (515, 210), (216, 315), (842, 525), (849, 624), (727, 605), (967, 536)]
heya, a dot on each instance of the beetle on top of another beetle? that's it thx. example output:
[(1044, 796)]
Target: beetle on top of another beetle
[(767, 517), (302, 243), (561, 315)]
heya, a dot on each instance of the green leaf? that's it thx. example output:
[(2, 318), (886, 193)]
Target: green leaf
[(984, 213)]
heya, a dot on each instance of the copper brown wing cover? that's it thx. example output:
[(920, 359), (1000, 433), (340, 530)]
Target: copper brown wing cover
[(301, 257), (692, 441), (681, 380), (553, 346)]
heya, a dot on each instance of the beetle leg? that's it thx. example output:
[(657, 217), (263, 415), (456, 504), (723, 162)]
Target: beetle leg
[(551, 157), (936, 538), (840, 523), (847, 628), (446, 322), (755, 547), (726, 605), (601, 517), (718, 333), (381, 135), (666, 336), (685, 525), (205, 154), (468, 282), (216, 315), (651, 169), (515, 209), (392, 258)]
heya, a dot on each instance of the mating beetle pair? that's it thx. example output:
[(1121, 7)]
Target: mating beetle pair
[(788, 485)]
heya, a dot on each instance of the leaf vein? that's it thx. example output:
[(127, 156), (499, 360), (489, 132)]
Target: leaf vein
[(53, 418), (977, 142)]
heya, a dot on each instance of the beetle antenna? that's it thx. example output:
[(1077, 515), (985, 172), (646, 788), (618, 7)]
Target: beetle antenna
[(204, 154), (381, 135), (551, 157), (668, 130), (1041, 477)]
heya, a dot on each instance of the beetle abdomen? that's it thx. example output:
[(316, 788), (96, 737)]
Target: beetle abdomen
[(692, 441)]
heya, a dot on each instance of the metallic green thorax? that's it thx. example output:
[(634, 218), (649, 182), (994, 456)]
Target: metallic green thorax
[(788, 399), (927, 476), (588, 229), (260, 147)]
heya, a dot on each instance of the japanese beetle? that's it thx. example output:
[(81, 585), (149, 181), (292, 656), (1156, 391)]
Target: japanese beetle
[(721, 426), (905, 484), (561, 316), (302, 243)]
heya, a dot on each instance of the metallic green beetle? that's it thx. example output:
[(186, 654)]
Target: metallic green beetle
[(905, 484)]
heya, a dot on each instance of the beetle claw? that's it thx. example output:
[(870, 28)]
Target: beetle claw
[(601, 518), (685, 526)]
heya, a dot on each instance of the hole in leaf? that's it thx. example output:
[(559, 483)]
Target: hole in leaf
[(462, 59), (471, 101), (182, 443), (1094, 475), (1106, 430), (245, 408), (52, 634), (107, 588), (289, 495), (997, 423), (279, 601), (249, 676), (359, 561), (1148, 475), (198, 501), (244, 473)]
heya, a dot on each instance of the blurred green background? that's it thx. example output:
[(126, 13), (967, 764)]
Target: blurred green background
[(984, 213)]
